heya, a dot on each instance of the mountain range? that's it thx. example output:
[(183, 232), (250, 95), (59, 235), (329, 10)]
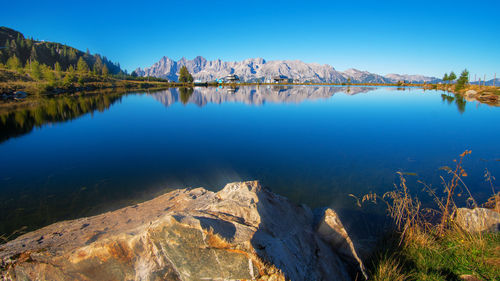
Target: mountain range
[(260, 70), (492, 82)]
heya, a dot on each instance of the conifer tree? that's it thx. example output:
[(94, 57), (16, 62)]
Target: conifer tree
[(14, 63), (33, 54), (70, 76), (87, 55), (82, 66), (72, 57), (97, 69), (105, 71), (445, 77), (13, 46), (48, 74), (462, 80), (29, 44), (36, 71), (184, 75), (452, 76), (81, 80), (58, 70)]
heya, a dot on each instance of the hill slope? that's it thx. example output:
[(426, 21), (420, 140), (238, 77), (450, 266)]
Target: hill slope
[(14, 43)]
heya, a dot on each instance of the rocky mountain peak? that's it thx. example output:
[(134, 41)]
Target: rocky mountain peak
[(260, 70)]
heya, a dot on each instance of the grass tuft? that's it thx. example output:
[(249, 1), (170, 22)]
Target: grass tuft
[(426, 243)]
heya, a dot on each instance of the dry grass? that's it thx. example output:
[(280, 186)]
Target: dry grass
[(484, 94), (389, 269), (430, 246), (448, 206), (12, 81)]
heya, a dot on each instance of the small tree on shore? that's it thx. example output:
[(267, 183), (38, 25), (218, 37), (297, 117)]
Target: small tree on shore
[(462, 80), (185, 76), (69, 79), (452, 77), (446, 78)]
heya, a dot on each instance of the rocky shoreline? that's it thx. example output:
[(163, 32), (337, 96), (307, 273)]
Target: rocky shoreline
[(243, 231), (484, 94)]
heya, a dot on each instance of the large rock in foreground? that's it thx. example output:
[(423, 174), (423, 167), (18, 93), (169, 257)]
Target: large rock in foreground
[(241, 232)]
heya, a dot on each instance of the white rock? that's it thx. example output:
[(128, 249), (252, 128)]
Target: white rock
[(241, 232), (478, 219)]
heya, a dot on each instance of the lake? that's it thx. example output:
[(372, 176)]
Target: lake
[(80, 155)]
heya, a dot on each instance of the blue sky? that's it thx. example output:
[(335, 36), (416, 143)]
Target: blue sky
[(413, 37)]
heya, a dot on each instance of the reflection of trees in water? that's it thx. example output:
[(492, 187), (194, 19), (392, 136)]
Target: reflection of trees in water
[(48, 110), (185, 94), (458, 99)]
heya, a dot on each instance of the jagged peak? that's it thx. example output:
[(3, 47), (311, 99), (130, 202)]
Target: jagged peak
[(200, 58), (258, 69), (165, 58), (354, 70)]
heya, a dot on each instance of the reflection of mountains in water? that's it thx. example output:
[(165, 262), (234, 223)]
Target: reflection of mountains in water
[(252, 95)]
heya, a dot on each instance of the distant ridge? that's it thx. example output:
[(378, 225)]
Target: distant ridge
[(492, 82), (258, 70)]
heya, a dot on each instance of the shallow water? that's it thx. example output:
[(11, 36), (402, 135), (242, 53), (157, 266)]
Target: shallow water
[(76, 156)]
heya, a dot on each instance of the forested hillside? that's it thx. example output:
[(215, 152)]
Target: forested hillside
[(15, 48)]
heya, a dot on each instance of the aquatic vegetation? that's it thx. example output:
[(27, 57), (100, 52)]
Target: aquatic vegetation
[(427, 243)]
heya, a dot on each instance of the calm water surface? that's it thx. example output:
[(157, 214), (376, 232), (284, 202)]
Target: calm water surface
[(75, 156)]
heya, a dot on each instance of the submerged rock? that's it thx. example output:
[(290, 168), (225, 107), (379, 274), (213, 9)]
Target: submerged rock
[(241, 232), (20, 95), (478, 219)]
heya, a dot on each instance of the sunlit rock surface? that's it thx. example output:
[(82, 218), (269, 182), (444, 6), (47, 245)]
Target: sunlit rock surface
[(260, 70), (478, 219), (243, 231)]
